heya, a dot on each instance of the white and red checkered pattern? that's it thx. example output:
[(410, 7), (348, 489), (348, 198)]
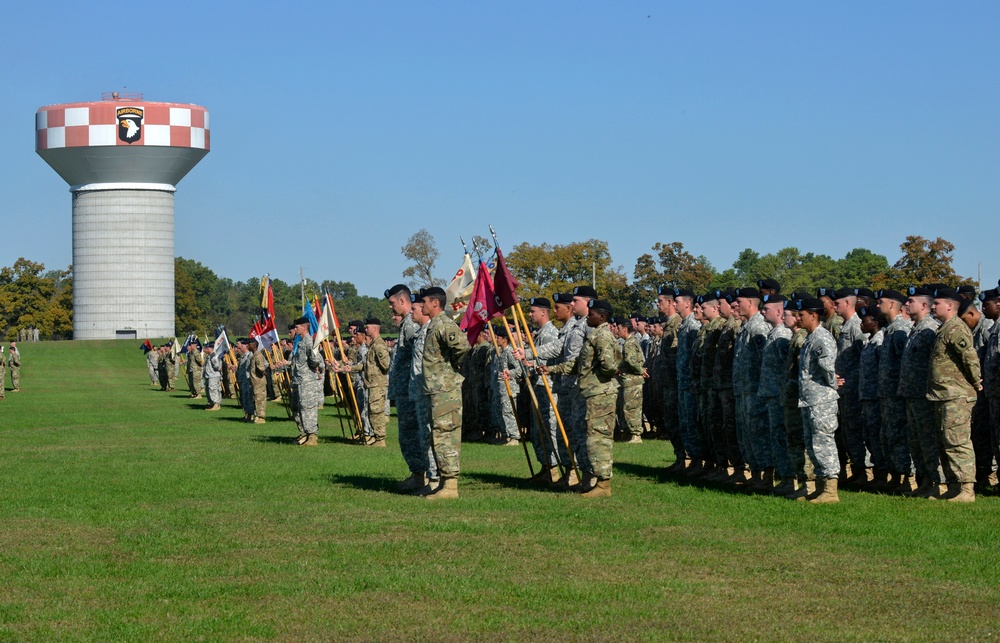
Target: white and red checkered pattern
[(95, 124)]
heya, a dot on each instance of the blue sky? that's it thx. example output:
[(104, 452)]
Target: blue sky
[(340, 129)]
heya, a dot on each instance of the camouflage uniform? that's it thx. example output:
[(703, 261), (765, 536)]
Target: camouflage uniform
[(982, 442), (503, 411), (243, 379), (668, 384), (410, 443), (753, 434), (597, 365), (424, 456), (652, 404), (850, 343), (374, 370), (687, 404), (818, 401), (475, 386), (991, 386), (833, 324), (953, 378), (212, 374), (794, 430), (630, 382), (571, 406), (14, 366), (712, 433), (546, 440), (722, 383), (153, 363), (195, 365), (161, 370), (360, 392), (444, 347), (921, 432), (868, 395), (3, 376), (894, 442), (305, 366), (258, 382), (772, 381), (170, 364)]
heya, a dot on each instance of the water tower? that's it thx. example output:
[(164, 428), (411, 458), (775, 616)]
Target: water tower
[(122, 157)]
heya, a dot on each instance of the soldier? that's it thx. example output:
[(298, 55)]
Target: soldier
[(872, 325), (356, 351), (981, 326), (545, 437), (305, 373), (631, 374), (850, 343), (258, 380), (504, 373), (818, 400), (475, 388), (212, 374), (752, 430), (444, 348), (921, 432), (421, 401), (374, 373), (668, 377), (831, 320), (14, 364), (170, 363), (410, 444), (768, 287), (161, 367), (153, 363), (651, 393), (794, 430), (991, 374), (952, 385), (772, 376), (596, 367), (243, 361), (894, 441), (722, 384), (195, 366), (712, 438), (3, 375), (687, 335)]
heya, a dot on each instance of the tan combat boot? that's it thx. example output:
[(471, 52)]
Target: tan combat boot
[(635, 439), (447, 490), (554, 475), (378, 443), (259, 420), (921, 491), (828, 495), (964, 492), (935, 492), (302, 437), (311, 441), (601, 489), (214, 407)]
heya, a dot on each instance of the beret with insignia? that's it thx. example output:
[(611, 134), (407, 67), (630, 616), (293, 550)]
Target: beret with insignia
[(919, 291), (373, 321), (540, 302), (300, 321), (775, 299), (683, 292), (585, 291), (562, 298), (810, 304), (824, 292), (433, 291), (967, 290), (864, 292), (712, 295), (769, 284), (600, 304), (989, 295), (395, 290), (840, 293), (750, 293), (888, 293), (948, 293), (667, 291)]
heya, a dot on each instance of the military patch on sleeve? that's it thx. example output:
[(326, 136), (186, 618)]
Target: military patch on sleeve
[(963, 343), (451, 337)]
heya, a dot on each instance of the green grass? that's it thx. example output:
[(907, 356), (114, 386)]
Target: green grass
[(127, 513)]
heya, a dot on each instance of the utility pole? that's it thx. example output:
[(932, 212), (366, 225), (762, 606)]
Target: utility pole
[(593, 274), (302, 284)]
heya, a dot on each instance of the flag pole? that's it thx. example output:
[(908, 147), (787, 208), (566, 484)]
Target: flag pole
[(354, 398), (531, 392), (510, 394)]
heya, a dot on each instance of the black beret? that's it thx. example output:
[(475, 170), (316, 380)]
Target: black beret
[(770, 284), (360, 330), (635, 316), (416, 296), (751, 293), (919, 291), (824, 292), (356, 323), (291, 327), (613, 321), (585, 291), (989, 295), (864, 292), (540, 302), (795, 294), (252, 340), (373, 321), (398, 288), (666, 290), (683, 292), (600, 304), (562, 298), (866, 311), (811, 304), (888, 293), (840, 293), (948, 293), (300, 321), (935, 286), (774, 299), (729, 296), (711, 296), (964, 306), (432, 291), (967, 290)]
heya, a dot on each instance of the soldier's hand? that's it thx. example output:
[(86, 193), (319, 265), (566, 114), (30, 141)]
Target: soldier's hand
[(645, 374), (840, 380), (519, 353), (543, 369), (505, 374)]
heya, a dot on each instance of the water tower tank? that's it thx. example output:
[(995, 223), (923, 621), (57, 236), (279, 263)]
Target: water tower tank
[(122, 157)]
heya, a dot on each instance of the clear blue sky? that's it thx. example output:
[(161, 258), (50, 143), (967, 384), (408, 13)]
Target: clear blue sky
[(341, 128)]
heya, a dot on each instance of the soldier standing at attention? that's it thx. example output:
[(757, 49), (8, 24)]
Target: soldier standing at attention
[(980, 326), (668, 376), (3, 374), (545, 439), (401, 302), (952, 385), (752, 430), (305, 366), (850, 343), (505, 368), (213, 378), (772, 378), (444, 347), (630, 379), (161, 367), (195, 366), (794, 432), (687, 401), (831, 320), (890, 359), (153, 363), (991, 375), (428, 466), (818, 400), (712, 436), (14, 363), (374, 374), (922, 433), (170, 361), (872, 325), (244, 359), (258, 381)]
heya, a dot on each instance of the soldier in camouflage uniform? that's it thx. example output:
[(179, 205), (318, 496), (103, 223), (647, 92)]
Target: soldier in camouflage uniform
[(414, 449), (794, 430), (991, 375), (195, 366), (444, 347), (245, 359), (952, 385), (356, 352), (421, 400), (161, 367), (712, 436), (651, 394), (894, 441), (687, 407), (153, 363), (505, 372), (980, 325), (872, 324), (921, 432), (374, 369), (212, 375), (596, 367), (3, 375), (668, 376), (722, 384), (850, 343), (770, 389), (305, 373), (475, 388), (818, 400), (14, 366), (258, 380), (831, 320), (630, 380), (752, 430), (545, 438)]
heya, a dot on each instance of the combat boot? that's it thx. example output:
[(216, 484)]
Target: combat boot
[(554, 475), (301, 439), (635, 439), (799, 493), (696, 469), (447, 490), (828, 495), (601, 489), (786, 487), (921, 491), (766, 484), (936, 492), (413, 483), (311, 441), (214, 407), (816, 488), (259, 420), (377, 443), (961, 492), (909, 483)]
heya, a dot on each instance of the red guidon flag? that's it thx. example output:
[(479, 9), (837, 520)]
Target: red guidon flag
[(504, 284), (482, 306)]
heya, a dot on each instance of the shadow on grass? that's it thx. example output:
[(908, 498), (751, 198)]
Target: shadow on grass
[(501, 480), (367, 483), (277, 439), (642, 471), (339, 439)]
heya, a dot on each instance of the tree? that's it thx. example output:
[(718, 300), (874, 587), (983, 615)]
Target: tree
[(31, 297), (422, 251), (924, 261)]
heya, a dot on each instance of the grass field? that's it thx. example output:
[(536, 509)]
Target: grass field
[(127, 513)]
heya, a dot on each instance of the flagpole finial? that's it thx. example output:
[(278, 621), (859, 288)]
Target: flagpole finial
[(494, 235)]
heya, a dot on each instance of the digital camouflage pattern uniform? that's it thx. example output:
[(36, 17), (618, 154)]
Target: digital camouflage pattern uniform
[(243, 379), (14, 365), (170, 368), (153, 363), (770, 390), (424, 457), (668, 384), (894, 441), (546, 440), (921, 432), (305, 367), (410, 443), (991, 386), (687, 408), (850, 343), (258, 383), (374, 377), (722, 383), (870, 404), (598, 364), (833, 324), (503, 409), (630, 381), (712, 430), (444, 347), (571, 406), (752, 430), (794, 430), (212, 375), (818, 401), (953, 378), (982, 442)]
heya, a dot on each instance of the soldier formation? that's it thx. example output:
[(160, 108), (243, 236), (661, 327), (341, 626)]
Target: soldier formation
[(793, 396)]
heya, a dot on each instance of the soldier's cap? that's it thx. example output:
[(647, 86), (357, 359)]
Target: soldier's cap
[(864, 292), (935, 286), (373, 321), (613, 321), (964, 306), (417, 297), (667, 291), (789, 304), (252, 340), (711, 295), (949, 293), (775, 299), (729, 296), (967, 290), (811, 304), (989, 295), (585, 291), (865, 311), (919, 291), (300, 321), (361, 331), (770, 284), (355, 323), (824, 292), (795, 294), (600, 304), (562, 298), (889, 293), (395, 290), (683, 292), (432, 292), (840, 293), (539, 302), (749, 293)]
